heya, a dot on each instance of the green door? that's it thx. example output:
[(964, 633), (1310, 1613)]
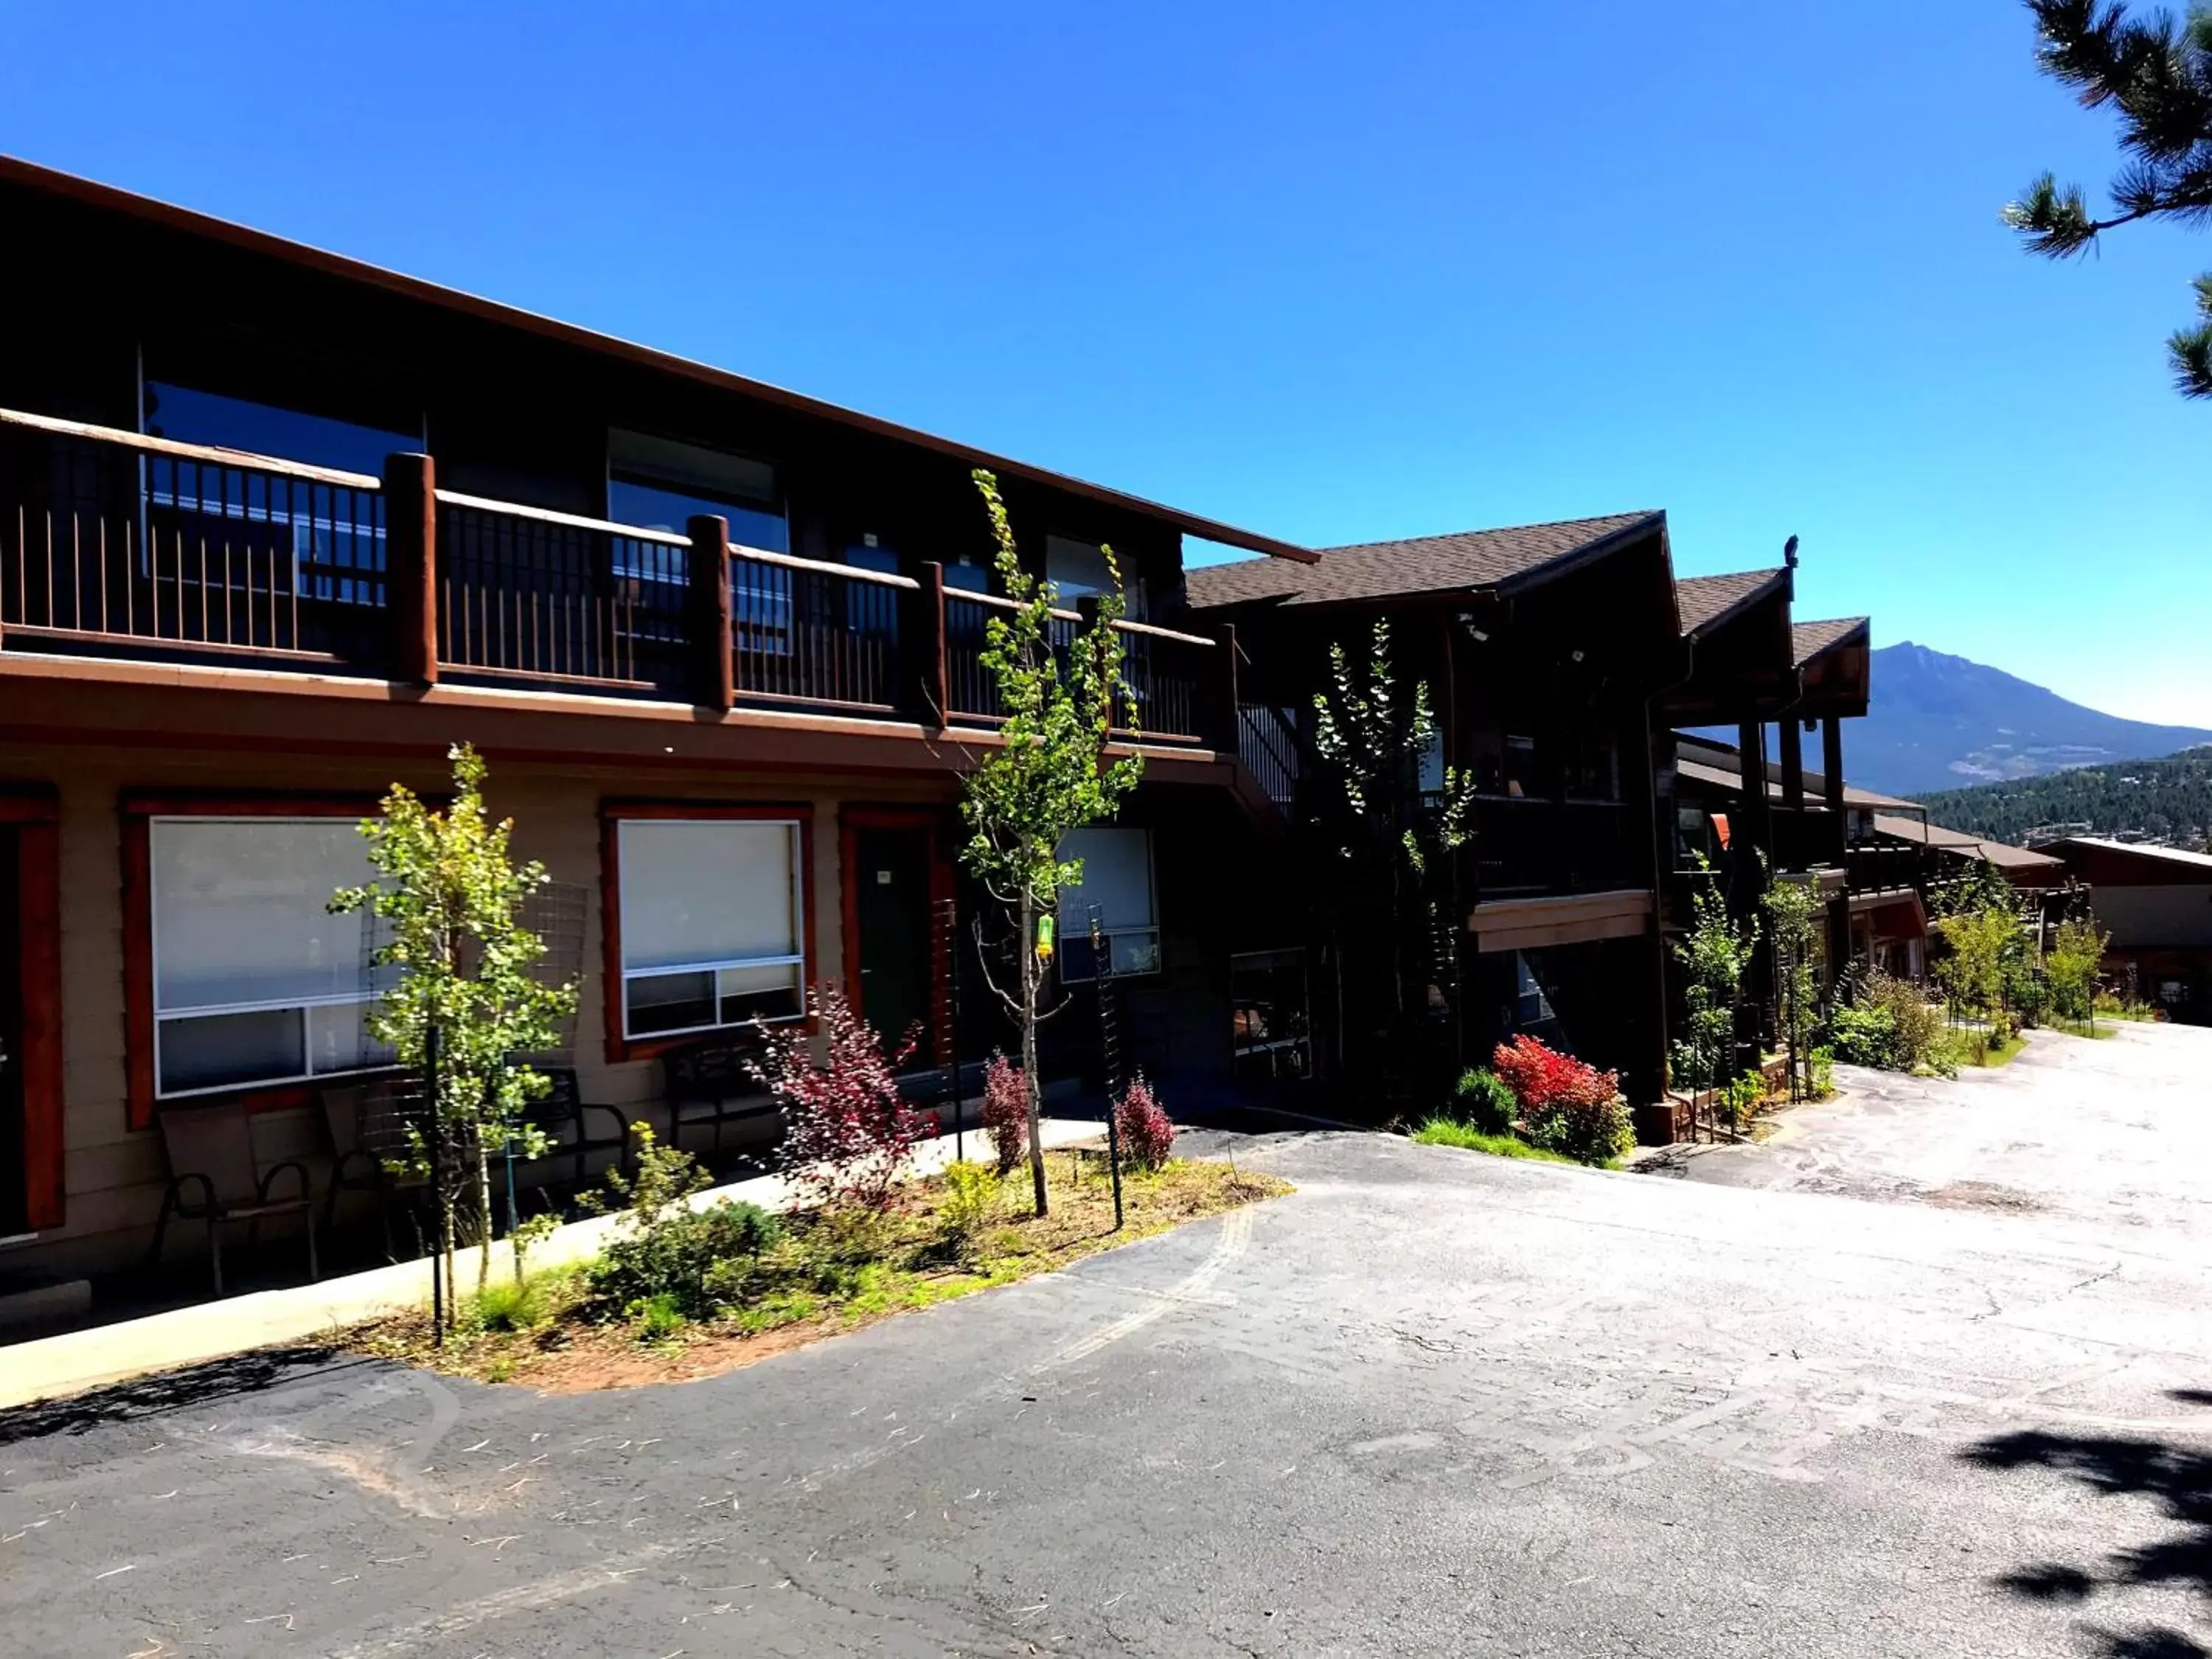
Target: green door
[(891, 872)]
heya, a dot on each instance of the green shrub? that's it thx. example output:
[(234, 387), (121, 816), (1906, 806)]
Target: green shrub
[(1597, 1132), (835, 1251), (1823, 1073), (1483, 1101), (970, 1207), (1738, 1103), (1889, 1023), (1950, 1050), (2030, 994), (1863, 1035), (698, 1258), (518, 1305), (658, 1318)]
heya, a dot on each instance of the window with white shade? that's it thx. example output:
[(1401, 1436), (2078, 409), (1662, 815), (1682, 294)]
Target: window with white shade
[(1117, 879), (255, 982), (712, 923)]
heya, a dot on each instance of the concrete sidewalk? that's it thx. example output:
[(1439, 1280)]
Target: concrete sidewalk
[(185, 1336)]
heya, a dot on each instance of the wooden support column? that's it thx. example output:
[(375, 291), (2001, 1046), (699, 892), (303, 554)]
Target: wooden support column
[(1793, 768), (1753, 839), (1750, 750), (410, 566), (925, 633), (1831, 783), (713, 675)]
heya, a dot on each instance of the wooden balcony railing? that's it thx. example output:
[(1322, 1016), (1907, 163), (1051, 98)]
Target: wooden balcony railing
[(113, 543), (1566, 847), (1170, 676), (524, 593), (802, 631)]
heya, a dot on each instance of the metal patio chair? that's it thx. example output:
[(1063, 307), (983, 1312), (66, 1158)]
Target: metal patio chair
[(709, 1084), (214, 1177), (564, 1117), (367, 1126)]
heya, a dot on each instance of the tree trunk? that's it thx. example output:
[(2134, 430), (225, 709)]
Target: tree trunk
[(1030, 990), (483, 1217)]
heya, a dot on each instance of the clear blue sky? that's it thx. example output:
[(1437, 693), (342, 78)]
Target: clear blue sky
[(1337, 274)]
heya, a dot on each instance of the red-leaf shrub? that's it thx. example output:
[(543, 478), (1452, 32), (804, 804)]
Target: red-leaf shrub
[(1006, 1111), (1566, 1105), (1541, 1077), (848, 1136), (1142, 1125)]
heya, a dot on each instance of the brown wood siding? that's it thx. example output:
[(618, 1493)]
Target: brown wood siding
[(111, 1173)]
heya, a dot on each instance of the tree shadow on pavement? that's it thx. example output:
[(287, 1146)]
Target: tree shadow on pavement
[(2179, 1479), (169, 1391)]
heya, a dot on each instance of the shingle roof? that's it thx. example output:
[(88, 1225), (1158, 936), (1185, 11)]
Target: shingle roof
[(1705, 601), (1423, 564), (1811, 638), (2002, 854)]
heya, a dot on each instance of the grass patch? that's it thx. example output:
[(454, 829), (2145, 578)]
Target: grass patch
[(1443, 1132), (822, 1279), (1978, 1050), (2108, 1026)]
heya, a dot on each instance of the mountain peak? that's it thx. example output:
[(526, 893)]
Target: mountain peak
[(1939, 722)]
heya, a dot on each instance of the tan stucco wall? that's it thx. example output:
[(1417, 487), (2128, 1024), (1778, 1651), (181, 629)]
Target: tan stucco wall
[(113, 1175)]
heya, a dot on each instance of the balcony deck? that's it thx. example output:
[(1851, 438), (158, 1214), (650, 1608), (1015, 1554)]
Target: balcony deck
[(121, 547)]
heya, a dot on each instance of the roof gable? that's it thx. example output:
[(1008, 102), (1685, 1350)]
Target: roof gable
[(1705, 602)]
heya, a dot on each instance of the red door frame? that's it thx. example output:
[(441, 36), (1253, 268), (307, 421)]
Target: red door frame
[(936, 825), (34, 813)]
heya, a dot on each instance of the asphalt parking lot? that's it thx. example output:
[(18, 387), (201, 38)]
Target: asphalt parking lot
[(1803, 1403)]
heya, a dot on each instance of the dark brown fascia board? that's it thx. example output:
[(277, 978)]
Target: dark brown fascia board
[(109, 198), (1777, 579), (1589, 553)]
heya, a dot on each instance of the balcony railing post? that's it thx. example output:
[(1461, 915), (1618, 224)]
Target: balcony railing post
[(410, 565), (925, 632), (1220, 715), (715, 673)]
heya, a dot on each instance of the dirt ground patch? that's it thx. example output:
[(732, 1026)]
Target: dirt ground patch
[(1981, 1195)]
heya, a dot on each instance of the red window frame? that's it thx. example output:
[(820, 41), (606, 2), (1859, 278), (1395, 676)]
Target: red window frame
[(613, 813), (139, 809)]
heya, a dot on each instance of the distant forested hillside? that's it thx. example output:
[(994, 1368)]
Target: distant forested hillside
[(2170, 798)]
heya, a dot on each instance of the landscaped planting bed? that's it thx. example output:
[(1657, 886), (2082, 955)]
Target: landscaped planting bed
[(735, 1284)]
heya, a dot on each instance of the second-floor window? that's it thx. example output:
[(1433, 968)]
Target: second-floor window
[(322, 542), (1079, 571), (1505, 763), (1597, 774), (659, 483)]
